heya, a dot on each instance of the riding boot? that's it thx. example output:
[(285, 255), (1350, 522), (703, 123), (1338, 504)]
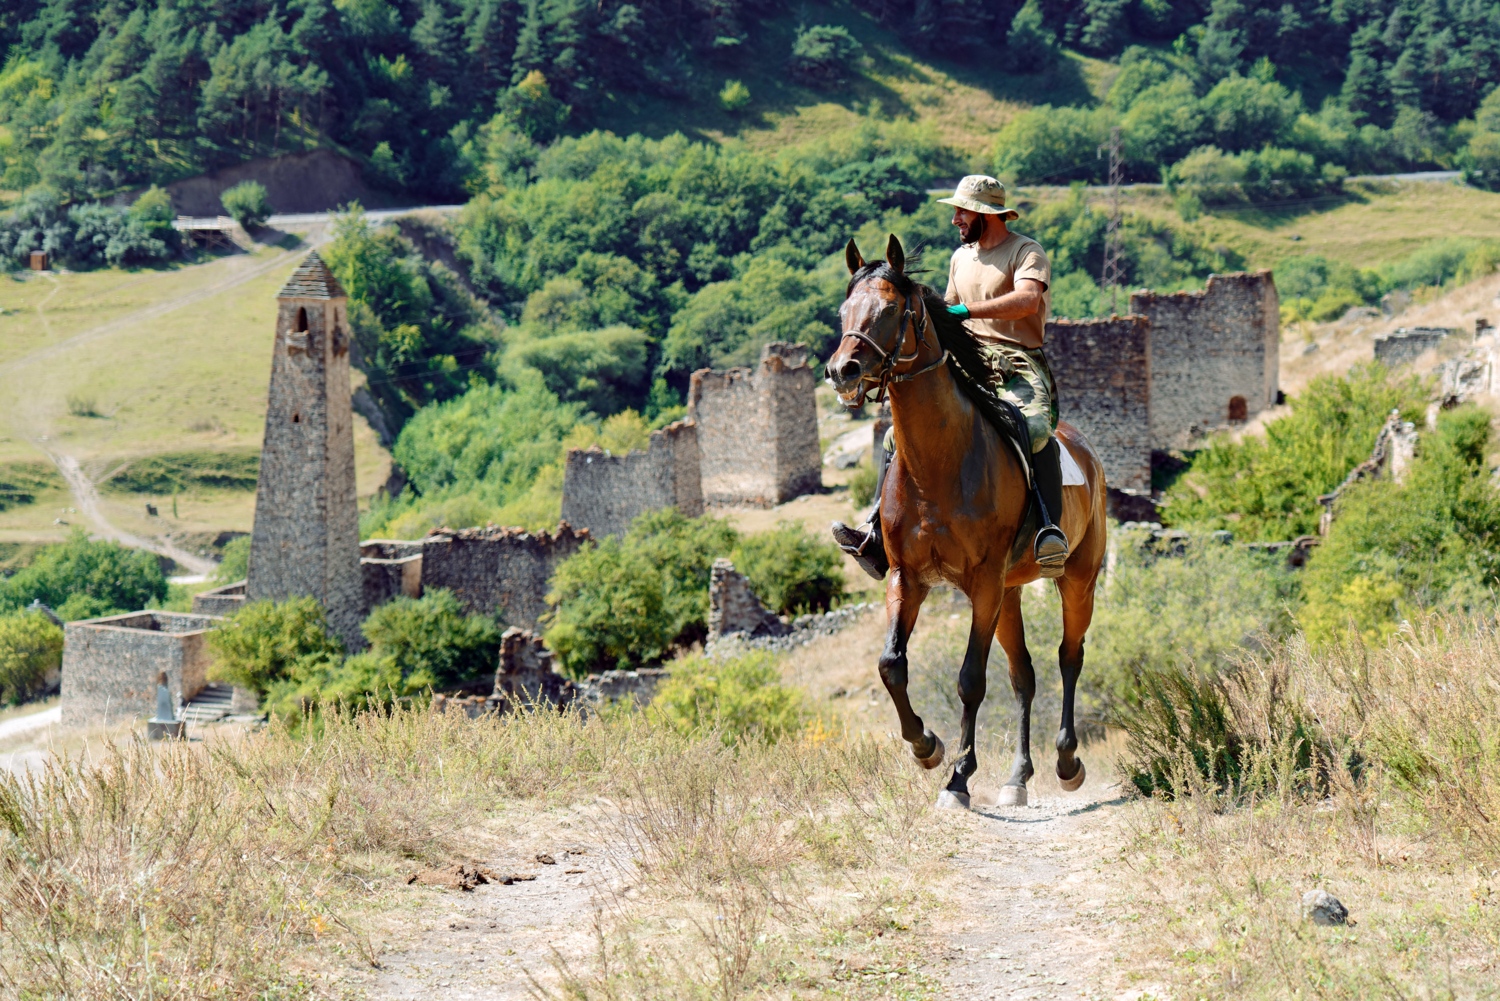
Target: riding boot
[(866, 543), (1051, 545)]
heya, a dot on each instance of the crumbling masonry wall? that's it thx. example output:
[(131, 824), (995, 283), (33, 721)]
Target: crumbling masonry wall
[(1103, 372), (758, 429), (491, 571), (1215, 354), (110, 664), (605, 493)]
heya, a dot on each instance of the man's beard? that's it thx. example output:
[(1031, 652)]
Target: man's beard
[(973, 231)]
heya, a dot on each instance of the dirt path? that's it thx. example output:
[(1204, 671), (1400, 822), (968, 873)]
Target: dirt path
[(87, 496)]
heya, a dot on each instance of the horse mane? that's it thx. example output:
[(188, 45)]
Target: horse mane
[(953, 334)]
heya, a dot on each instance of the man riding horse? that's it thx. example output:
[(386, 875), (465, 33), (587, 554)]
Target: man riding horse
[(999, 283)]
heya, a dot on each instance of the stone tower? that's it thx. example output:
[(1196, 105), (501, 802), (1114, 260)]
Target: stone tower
[(306, 537)]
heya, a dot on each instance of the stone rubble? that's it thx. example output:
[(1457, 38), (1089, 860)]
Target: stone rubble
[(800, 631)]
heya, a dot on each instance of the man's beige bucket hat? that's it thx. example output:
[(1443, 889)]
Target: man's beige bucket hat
[(981, 193)]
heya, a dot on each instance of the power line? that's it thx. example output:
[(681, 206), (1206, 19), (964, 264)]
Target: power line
[(1111, 277)]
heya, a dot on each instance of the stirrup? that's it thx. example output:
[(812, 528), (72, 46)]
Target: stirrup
[(855, 543), (1051, 551)]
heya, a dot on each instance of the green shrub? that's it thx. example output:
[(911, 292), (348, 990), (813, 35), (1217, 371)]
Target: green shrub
[(416, 644), (734, 95), (1432, 541), (247, 203), (629, 601), (267, 642), (823, 55), (99, 577), (862, 485), (790, 570), (20, 482), (743, 698), (235, 564), (30, 646), (1267, 488)]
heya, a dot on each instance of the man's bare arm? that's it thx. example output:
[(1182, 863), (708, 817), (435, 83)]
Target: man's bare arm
[(1024, 301)]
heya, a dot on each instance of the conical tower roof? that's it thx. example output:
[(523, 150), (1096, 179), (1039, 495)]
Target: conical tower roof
[(312, 280)]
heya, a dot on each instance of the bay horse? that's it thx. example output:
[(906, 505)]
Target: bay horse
[(954, 500)]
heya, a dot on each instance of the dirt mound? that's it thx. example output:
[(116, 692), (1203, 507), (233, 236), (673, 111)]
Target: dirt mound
[(314, 181)]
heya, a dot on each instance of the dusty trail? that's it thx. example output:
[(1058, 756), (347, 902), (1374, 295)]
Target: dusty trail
[(87, 496), (1022, 915)]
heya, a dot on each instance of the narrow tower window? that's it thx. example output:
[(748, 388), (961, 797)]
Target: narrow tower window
[(1236, 408), (296, 418), (301, 319)]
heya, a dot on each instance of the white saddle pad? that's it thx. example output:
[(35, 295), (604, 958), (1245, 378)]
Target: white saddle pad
[(1072, 473)]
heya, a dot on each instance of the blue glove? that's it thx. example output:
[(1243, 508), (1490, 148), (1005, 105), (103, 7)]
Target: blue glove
[(961, 311)]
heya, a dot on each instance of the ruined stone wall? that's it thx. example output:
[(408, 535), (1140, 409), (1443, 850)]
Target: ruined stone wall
[(220, 601), (110, 664), (758, 429), (384, 579), (306, 535), (498, 571), (1103, 373), (1405, 346), (605, 493), (1213, 352)]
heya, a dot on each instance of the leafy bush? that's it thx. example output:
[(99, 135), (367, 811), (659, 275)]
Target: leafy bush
[(790, 570), (1267, 488), (235, 563), (734, 95), (1044, 145), (862, 485), (268, 642), (823, 55), (629, 601), (1267, 174), (30, 647), (1432, 541), (247, 203), (742, 698), (90, 234), (416, 644), (83, 579)]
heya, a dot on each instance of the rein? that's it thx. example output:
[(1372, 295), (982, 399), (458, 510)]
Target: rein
[(889, 359)]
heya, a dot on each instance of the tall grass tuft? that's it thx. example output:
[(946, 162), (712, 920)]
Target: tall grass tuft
[(189, 870)]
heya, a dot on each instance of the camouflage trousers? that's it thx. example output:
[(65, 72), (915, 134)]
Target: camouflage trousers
[(1022, 376)]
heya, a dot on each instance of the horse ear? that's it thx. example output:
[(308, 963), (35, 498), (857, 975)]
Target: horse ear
[(895, 256), (852, 257)]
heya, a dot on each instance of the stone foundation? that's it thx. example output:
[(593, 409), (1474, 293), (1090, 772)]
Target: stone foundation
[(220, 601)]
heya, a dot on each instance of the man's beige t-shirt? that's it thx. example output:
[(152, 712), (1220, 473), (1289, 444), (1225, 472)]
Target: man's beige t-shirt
[(975, 275)]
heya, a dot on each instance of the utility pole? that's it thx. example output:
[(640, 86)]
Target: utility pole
[(1111, 276)]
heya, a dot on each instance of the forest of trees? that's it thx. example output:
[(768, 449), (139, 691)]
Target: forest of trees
[(96, 95)]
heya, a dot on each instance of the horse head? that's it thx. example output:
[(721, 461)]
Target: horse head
[(880, 315)]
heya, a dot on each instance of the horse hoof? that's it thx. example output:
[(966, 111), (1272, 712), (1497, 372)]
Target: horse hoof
[(1012, 796), (952, 800), (936, 758), (1072, 784)]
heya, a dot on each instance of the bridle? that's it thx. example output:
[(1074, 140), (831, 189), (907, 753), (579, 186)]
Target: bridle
[(892, 357)]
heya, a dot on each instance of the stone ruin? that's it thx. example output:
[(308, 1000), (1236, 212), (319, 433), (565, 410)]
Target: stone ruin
[(1394, 452), (1215, 355), (1402, 347), (607, 492), (758, 429), (110, 664), (1103, 372), (734, 608)]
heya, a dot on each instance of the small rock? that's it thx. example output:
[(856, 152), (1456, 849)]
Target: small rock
[(546, 859), (1323, 908)]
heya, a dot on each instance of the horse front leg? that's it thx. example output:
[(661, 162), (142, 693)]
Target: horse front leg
[(971, 689), (903, 600), (1077, 613), (1011, 632)]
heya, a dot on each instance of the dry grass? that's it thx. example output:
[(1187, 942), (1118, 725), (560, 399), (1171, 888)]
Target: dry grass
[(1397, 813), (225, 870)]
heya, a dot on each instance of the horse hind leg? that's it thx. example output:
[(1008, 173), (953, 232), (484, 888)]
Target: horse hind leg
[(1011, 633), (1078, 612)]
